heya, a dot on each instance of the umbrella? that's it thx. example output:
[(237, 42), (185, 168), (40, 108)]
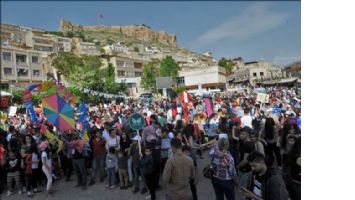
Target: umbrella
[(58, 112)]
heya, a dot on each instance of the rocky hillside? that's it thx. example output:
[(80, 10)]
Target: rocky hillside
[(139, 32)]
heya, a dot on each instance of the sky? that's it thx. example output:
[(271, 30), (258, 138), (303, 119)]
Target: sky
[(255, 30)]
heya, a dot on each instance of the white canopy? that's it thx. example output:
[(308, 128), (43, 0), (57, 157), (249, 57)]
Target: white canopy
[(4, 94)]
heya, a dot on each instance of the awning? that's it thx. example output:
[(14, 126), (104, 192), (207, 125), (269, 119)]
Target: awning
[(5, 94)]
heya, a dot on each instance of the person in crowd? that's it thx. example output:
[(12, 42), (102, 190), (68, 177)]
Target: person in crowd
[(147, 163), (136, 164), (193, 182), (165, 147), (292, 170), (123, 169), (225, 176), (178, 172), (113, 140), (111, 167), (246, 147), (125, 144), (31, 170), (47, 165), (259, 145), (98, 147), (79, 163), (271, 136), (265, 184), (13, 172)]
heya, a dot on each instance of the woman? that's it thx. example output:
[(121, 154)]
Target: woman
[(31, 170), (224, 177), (113, 140), (125, 144), (293, 171), (46, 165), (271, 137)]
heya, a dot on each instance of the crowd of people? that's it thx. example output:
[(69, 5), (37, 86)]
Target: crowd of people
[(253, 148)]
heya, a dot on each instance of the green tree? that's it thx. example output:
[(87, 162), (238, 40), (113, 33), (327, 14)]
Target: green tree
[(168, 67), (110, 80), (82, 71), (227, 64), (122, 87), (150, 72), (136, 49)]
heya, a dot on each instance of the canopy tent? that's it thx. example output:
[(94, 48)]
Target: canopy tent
[(5, 94)]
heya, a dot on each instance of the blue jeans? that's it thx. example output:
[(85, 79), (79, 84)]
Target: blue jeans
[(111, 176), (223, 187)]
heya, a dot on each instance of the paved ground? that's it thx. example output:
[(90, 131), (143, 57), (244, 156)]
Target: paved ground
[(67, 191)]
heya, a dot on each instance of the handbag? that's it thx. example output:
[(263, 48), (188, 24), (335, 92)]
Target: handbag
[(208, 171)]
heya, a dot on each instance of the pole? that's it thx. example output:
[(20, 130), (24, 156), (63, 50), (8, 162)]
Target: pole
[(139, 146)]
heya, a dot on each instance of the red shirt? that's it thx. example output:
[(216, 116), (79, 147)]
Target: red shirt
[(98, 147)]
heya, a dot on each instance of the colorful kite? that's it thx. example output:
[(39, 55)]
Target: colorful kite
[(58, 112)]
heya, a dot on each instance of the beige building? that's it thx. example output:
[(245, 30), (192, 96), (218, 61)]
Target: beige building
[(63, 44), (87, 48), (125, 66), (255, 71), (21, 67), (210, 77)]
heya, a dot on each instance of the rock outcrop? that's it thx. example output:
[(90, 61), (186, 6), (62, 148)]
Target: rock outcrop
[(140, 32)]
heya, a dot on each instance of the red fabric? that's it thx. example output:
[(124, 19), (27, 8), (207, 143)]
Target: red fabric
[(98, 147), (2, 153), (28, 164)]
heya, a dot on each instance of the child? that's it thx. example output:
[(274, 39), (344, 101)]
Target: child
[(13, 172), (111, 167), (46, 165), (147, 164), (165, 146), (187, 150), (123, 170)]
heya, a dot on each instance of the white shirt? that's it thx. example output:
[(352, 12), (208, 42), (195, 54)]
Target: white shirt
[(34, 158), (43, 156), (105, 134), (113, 142), (246, 121)]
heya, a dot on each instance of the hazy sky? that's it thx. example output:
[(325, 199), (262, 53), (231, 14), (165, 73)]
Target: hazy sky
[(251, 30)]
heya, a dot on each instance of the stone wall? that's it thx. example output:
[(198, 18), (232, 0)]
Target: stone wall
[(140, 32)]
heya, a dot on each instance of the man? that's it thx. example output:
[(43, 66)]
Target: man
[(246, 119), (178, 172), (98, 147), (265, 183), (246, 147), (79, 163)]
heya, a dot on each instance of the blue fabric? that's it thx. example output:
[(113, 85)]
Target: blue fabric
[(31, 111)]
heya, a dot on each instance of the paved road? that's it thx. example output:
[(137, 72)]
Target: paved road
[(67, 191)]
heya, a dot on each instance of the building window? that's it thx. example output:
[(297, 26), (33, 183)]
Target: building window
[(6, 56), (137, 74), (36, 73), (20, 58), (120, 73), (254, 74), (120, 64), (7, 71), (138, 65), (22, 72), (180, 80), (261, 73), (34, 59), (129, 65)]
